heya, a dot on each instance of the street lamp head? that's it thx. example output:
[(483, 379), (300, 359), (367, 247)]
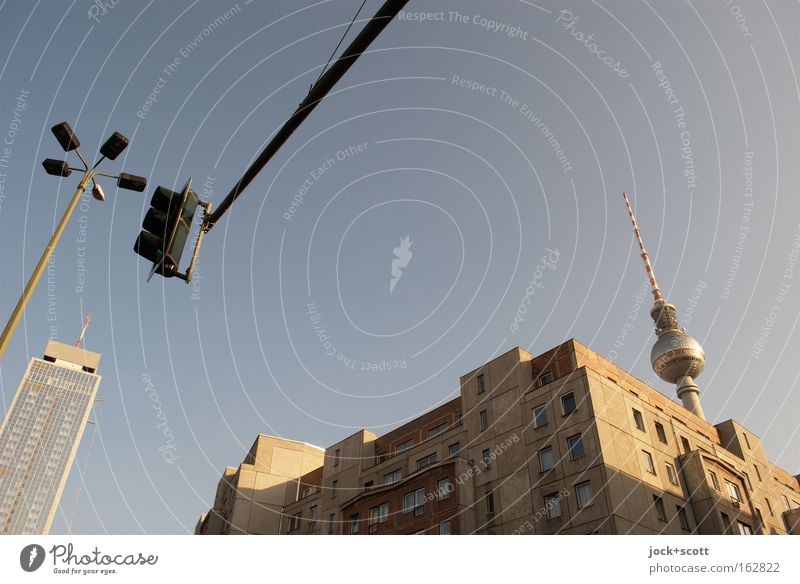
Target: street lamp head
[(97, 192), (131, 182), (114, 145), (65, 136), (56, 167)]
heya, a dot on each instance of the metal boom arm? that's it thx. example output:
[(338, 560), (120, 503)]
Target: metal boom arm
[(316, 94)]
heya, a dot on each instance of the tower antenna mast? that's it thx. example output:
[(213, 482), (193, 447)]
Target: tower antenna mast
[(676, 357), (83, 331)]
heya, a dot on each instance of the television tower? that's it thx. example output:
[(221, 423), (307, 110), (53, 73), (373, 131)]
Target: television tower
[(676, 357)]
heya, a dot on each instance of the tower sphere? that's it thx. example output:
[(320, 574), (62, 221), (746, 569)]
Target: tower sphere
[(675, 355)]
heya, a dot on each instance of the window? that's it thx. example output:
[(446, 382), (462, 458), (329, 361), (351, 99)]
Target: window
[(658, 503), (733, 491), (769, 507), (368, 485), (484, 420), (673, 478), (786, 503), (714, 480), (744, 529), (540, 416), (647, 460), (638, 419), (683, 519), (426, 461), (726, 522), (337, 457), (747, 481), (444, 528), (313, 515), (306, 492), (414, 501), (489, 503), (575, 445), (686, 446), (440, 429), (545, 378), (568, 404), (552, 504), (487, 459), (392, 477), (746, 441), (454, 449), (760, 518), (546, 459), (481, 384), (294, 521), (354, 523), (334, 484), (377, 515), (407, 445), (443, 488), (662, 436), (758, 473), (583, 492)]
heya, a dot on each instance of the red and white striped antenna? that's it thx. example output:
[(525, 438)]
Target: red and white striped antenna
[(83, 332), (645, 257)]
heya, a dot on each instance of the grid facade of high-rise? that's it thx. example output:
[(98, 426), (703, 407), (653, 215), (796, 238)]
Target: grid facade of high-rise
[(40, 436)]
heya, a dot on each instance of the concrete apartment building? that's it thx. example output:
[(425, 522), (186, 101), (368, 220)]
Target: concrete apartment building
[(564, 442)]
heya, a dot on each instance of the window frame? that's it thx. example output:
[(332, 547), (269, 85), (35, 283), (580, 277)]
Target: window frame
[(661, 433), (552, 459), (445, 530), (484, 420), (649, 463), (672, 474), (550, 510), (537, 410), (638, 420), (714, 481), (568, 397), (683, 518), (443, 493), (481, 384), (661, 510), (580, 501), (571, 446), (546, 377)]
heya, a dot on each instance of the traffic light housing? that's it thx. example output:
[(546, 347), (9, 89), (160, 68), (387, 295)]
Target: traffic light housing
[(166, 228)]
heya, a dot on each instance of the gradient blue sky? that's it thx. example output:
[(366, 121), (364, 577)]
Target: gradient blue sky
[(469, 176)]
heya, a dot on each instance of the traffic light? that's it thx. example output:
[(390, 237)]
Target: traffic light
[(166, 229)]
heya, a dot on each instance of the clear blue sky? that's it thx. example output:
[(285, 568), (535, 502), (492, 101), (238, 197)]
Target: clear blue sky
[(690, 107)]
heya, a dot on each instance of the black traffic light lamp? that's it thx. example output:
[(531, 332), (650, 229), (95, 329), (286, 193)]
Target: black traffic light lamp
[(166, 228)]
